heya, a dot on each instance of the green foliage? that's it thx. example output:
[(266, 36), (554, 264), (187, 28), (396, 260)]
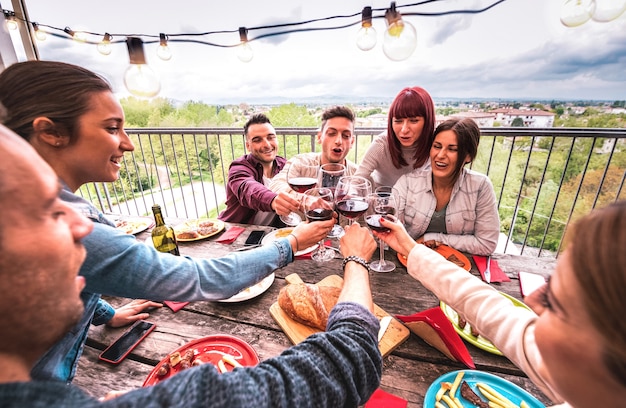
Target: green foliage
[(292, 115), (517, 122), (368, 112)]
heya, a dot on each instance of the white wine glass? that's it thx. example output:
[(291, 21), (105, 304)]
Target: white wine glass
[(329, 176), (382, 204), (351, 196), (318, 206), (300, 178)]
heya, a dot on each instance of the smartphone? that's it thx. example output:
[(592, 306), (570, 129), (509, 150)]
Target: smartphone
[(530, 282), (255, 237), (121, 347)]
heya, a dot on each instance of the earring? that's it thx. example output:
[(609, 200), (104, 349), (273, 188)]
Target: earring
[(57, 144)]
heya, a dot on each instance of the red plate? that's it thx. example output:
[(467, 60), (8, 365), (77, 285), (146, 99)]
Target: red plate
[(445, 251), (209, 349)]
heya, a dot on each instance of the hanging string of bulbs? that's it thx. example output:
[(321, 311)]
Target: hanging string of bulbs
[(399, 38)]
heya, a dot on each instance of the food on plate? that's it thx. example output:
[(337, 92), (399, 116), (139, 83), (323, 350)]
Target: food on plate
[(163, 370), (231, 360), (431, 243), (455, 260), (283, 232), (308, 304), (206, 227), (130, 227), (185, 361), (471, 396), (187, 235), (462, 323), (495, 397), (175, 358), (205, 224)]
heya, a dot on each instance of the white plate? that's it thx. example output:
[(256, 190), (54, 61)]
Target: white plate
[(282, 233), (252, 291), (134, 225)]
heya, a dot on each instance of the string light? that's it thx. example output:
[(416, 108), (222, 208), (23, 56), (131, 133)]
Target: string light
[(163, 51), (244, 51), (577, 12), (400, 37), (366, 37), (104, 47), (39, 33), (10, 20), (140, 79)]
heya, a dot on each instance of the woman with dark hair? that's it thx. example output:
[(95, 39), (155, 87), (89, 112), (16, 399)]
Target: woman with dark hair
[(573, 342), (447, 202), (405, 145), (73, 120)]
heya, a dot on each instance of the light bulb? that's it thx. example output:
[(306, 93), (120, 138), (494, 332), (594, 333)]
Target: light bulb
[(12, 24), (140, 79), (576, 12), (366, 37), (244, 51), (608, 10), (400, 40), (104, 47), (39, 34), (163, 51)]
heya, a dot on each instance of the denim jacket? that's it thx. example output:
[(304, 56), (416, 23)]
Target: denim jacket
[(118, 265), (472, 220)]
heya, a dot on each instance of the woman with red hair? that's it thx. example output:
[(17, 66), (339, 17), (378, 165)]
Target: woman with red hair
[(406, 144)]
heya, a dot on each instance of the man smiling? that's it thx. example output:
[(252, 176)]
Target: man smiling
[(248, 200)]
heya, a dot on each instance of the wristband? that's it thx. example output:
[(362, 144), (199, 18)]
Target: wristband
[(356, 259), (297, 242)]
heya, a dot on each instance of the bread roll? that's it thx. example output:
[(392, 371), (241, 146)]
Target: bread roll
[(308, 304)]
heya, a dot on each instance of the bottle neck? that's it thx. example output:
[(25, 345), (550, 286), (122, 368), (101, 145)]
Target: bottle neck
[(158, 216)]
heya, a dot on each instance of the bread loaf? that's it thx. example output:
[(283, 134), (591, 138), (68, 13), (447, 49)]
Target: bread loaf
[(308, 304)]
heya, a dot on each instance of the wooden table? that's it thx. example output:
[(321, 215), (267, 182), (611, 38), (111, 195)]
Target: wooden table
[(407, 372)]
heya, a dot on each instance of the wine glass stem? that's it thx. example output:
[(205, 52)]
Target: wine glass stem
[(382, 251)]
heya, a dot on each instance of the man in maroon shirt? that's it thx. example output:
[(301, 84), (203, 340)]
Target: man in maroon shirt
[(248, 200)]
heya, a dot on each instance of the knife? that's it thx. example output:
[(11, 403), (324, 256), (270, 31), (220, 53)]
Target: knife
[(487, 272), (384, 324)]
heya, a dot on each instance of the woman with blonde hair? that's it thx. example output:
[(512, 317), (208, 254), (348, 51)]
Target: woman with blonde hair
[(573, 342)]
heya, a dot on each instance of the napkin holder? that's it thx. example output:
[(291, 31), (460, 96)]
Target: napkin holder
[(434, 328)]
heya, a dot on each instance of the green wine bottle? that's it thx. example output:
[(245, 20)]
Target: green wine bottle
[(163, 236)]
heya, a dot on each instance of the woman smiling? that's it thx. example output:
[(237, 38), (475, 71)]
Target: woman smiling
[(447, 202)]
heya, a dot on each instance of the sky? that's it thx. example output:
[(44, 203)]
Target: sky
[(516, 50)]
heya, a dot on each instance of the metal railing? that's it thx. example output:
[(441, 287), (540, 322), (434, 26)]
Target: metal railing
[(544, 178)]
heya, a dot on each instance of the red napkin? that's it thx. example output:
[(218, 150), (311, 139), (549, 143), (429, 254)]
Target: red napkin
[(383, 399), (433, 326), (231, 235), (175, 306), (496, 273)]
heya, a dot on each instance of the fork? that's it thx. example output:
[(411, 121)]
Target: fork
[(487, 272)]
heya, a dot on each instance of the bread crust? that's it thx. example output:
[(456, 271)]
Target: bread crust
[(308, 304)]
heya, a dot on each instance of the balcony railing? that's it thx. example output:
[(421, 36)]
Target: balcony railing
[(544, 178)]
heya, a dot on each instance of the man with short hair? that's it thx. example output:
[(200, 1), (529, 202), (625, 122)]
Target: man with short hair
[(336, 136), (248, 199)]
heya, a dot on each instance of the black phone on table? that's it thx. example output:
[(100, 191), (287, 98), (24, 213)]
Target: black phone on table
[(121, 347), (255, 237)]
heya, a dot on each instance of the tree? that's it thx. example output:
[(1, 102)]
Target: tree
[(518, 122)]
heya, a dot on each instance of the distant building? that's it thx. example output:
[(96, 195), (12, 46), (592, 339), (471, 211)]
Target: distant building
[(531, 117), (482, 119)]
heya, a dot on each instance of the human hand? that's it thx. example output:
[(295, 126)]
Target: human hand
[(131, 312), (357, 241), (310, 233), (283, 204), (112, 394), (397, 237)]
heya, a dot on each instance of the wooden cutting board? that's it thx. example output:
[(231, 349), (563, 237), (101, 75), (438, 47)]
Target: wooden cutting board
[(395, 335)]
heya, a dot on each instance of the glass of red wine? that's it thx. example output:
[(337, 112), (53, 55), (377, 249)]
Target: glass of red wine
[(382, 204), (329, 176), (351, 196), (318, 206), (300, 178)]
